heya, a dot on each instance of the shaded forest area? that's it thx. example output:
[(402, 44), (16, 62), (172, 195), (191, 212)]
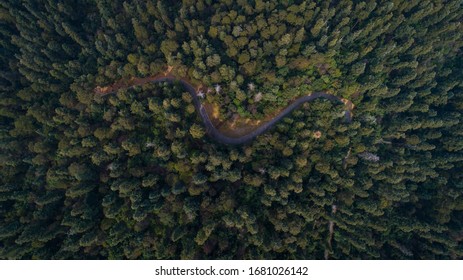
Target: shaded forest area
[(133, 175)]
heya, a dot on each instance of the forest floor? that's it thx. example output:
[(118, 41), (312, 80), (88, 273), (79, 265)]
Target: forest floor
[(235, 127)]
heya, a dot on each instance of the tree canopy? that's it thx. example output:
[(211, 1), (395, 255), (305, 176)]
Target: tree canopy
[(134, 175)]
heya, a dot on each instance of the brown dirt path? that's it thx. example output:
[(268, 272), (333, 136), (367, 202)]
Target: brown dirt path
[(235, 128)]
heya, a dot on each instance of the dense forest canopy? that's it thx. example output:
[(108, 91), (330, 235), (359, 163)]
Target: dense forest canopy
[(134, 175)]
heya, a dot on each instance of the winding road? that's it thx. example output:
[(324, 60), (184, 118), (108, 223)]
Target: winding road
[(213, 131)]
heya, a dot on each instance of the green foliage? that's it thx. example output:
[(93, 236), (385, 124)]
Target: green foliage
[(134, 175)]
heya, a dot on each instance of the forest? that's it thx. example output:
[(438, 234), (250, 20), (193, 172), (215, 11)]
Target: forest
[(97, 165)]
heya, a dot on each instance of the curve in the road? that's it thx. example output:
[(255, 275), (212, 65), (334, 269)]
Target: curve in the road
[(220, 137)]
